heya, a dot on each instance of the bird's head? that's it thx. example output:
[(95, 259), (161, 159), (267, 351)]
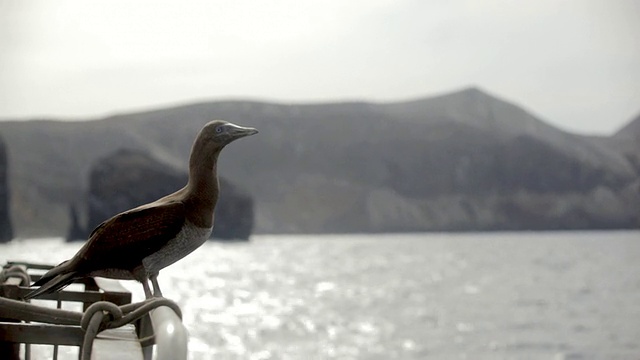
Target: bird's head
[(219, 133)]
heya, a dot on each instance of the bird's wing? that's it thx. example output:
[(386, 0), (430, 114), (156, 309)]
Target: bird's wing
[(125, 239)]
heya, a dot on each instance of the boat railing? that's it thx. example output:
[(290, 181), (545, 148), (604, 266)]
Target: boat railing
[(109, 326)]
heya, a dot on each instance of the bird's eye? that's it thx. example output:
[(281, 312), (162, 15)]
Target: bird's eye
[(219, 129)]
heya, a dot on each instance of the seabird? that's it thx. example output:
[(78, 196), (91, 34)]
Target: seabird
[(138, 243)]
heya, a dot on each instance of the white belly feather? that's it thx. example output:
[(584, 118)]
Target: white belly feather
[(187, 240)]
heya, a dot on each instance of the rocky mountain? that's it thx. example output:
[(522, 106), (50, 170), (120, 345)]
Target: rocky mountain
[(6, 229), (631, 130), (627, 142), (461, 161)]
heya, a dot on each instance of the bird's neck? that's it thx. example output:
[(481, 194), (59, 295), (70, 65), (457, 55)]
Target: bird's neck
[(202, 189)]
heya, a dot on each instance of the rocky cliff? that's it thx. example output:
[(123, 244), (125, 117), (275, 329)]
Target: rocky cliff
[(6, 230), (129, 178)]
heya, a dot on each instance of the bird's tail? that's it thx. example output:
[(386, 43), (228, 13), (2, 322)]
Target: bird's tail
[(54, 280)]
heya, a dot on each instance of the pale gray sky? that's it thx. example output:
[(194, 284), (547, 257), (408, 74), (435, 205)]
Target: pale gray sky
[(574, 63)]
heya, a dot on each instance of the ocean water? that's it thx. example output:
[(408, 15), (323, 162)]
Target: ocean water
[(552, 295)]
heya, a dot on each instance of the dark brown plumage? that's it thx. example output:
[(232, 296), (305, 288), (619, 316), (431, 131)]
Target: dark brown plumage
[(138, 243)]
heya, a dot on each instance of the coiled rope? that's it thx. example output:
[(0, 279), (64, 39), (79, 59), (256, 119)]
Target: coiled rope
[(104, 315), (17, 272)]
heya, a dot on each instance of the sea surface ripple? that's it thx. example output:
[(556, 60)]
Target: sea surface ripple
[(553, 295)]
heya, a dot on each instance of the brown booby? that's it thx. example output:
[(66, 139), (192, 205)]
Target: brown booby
[(138, 243)]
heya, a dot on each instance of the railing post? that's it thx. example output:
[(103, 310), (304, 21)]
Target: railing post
[(9, 350)]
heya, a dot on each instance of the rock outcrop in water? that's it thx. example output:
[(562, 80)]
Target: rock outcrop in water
[(76, 232), (129, 178), (6, 230), (234, 213)]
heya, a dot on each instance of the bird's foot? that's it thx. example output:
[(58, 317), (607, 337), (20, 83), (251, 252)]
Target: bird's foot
[(156, 287)]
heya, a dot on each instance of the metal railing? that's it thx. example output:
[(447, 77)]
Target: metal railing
[(111, 327)]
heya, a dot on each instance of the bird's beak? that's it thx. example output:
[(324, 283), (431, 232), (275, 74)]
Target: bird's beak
[(238, 132)]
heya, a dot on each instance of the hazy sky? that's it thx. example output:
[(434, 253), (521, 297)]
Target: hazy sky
[(574, 63)]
